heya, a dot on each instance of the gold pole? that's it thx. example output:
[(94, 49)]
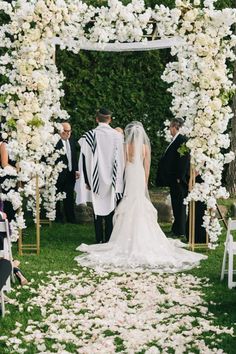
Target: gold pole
[(37, 214), (20, 239), (192, 211), (20, 243), (192, 219), (32, 246)]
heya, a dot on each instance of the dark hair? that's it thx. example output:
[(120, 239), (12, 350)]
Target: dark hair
[(177, 123), (103, 115)]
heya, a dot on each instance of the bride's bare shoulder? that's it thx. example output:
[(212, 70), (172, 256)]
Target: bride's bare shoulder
[(129, 152)]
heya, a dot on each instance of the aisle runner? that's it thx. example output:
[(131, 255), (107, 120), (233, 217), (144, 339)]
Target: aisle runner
[(137, 313)]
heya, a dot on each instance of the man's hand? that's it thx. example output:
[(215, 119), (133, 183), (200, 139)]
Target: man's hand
[(77, 175)]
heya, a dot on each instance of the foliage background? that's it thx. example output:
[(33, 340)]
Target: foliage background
[(128, 84)]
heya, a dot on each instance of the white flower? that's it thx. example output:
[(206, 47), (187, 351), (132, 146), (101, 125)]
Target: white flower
[(229, 157)]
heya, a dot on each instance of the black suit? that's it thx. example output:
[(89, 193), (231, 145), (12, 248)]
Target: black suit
[(66, 183), (173, 171)]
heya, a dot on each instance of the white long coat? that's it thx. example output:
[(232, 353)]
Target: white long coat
[(101, 155)]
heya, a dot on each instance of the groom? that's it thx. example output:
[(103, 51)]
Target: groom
[(173, 171), (102, 168)]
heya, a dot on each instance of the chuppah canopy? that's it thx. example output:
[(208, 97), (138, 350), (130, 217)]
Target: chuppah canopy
[(199, 80)]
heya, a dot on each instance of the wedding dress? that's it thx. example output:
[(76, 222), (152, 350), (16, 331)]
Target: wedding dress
[(137, 242)]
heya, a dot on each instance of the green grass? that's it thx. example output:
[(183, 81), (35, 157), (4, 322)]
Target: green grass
[(58, 249)]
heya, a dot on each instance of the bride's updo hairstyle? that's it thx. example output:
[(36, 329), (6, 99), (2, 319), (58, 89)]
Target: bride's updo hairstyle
[(136, 140)]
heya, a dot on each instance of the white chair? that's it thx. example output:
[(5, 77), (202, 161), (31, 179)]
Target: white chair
[(2, 302), (5, 272), (7, 252), (230, 250)]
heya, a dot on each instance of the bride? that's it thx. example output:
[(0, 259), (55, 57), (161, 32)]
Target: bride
[(137, 241)]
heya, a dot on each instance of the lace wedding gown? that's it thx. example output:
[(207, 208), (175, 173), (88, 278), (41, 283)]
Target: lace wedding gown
[(137, 242)]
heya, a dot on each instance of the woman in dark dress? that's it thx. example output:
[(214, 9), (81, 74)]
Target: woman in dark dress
[(5, 206)]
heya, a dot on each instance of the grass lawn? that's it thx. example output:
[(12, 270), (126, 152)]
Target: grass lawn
[(58, 244)]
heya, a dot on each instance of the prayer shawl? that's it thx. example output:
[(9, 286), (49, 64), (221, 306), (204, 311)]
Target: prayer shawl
[(103, 153)]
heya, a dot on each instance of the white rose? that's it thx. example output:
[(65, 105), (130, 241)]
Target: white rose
[(35, 142), (25, 69), (59, 17), (191, 15), (20, 123), (34, 34), (56, 28), (26, 26), (32, 62), (48, 32), (178, 3), (27, 130), (230, 156), (26, 116), (35, 107), (42, 47), (4, 136), (216, 104)]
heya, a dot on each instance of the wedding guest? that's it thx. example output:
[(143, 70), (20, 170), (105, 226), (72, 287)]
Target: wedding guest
[(5, 271), (119, 130), (102, 166), (66, 179), (5, 162), (3, 154), (3, 216), (173, 171)]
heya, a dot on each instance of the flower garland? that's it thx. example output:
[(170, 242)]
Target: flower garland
[(30, 100), (29, 108), (201, 88)]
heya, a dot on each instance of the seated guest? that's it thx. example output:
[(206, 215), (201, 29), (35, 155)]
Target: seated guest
[(15, 264), (5, 271)]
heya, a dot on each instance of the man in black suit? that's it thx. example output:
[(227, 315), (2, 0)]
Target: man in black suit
[(67, 177), (173, 171)]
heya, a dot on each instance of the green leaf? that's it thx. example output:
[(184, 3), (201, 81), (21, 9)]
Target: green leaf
[(183, 149)]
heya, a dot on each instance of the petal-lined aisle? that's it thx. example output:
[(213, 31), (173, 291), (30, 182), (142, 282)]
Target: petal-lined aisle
[(88, 312)]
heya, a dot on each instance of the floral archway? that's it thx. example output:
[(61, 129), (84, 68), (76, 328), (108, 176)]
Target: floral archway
[(200, 83)]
